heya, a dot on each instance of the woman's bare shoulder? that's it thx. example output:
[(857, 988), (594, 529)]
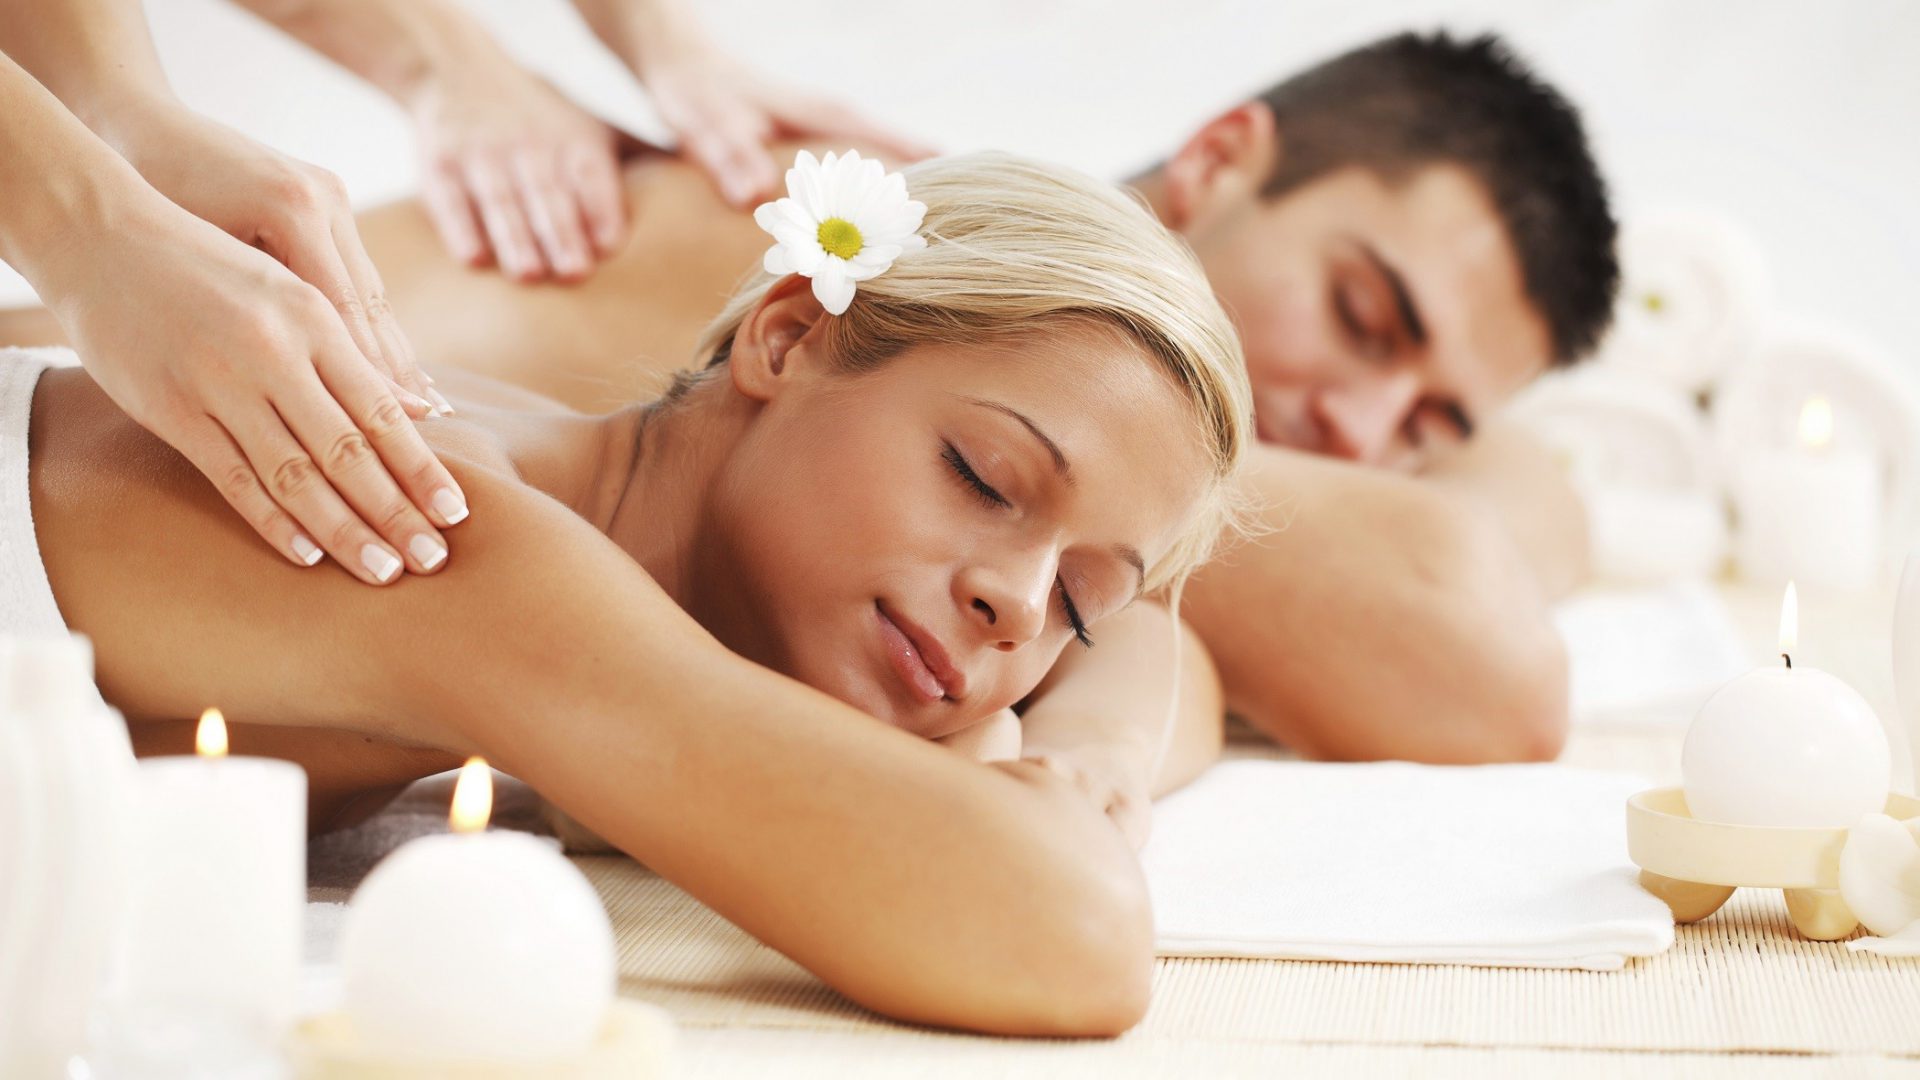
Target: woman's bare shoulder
[(187, 607)]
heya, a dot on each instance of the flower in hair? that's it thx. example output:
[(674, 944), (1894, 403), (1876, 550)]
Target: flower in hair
[(844, 220)]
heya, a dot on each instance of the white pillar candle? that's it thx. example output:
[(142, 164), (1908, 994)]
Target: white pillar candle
[(1811, 511), (1788, 745), (477, 947), (209, 957)]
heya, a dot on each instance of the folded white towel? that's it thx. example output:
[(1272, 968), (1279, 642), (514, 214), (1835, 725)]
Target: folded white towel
[(1648, 656), (1693, 285), (1492, 865), (1640, 454)]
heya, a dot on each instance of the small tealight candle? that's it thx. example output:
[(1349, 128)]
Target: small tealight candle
[(1786, 745), (477, 946)]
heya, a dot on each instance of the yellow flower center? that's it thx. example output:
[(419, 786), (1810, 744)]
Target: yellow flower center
[(1654, 302), (839, 237)]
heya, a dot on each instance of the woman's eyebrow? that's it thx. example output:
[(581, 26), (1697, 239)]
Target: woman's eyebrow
[(1126, 552), (1060, 463)]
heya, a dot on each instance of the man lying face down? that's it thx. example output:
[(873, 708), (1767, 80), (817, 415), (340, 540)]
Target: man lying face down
[(1405, 235)]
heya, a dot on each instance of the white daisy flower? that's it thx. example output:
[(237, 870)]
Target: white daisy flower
[(844, 220)]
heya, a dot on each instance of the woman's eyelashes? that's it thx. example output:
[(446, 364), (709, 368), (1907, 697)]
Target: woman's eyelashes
[(991, 498), (972, 479), (1073, 617)]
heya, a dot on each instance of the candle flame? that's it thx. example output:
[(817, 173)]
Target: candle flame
[(472, 797), (210, 738), (1816, 423), (1790, 621)]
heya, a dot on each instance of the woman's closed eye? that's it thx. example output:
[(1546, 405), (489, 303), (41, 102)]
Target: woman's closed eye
[(992, 498)]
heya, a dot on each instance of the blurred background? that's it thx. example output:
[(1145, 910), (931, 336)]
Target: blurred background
[(1797, 120)]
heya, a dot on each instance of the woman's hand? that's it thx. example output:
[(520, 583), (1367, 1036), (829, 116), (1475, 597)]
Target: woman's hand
[(514, 173), (1115, 776), (726, 117), (286, 393), (293, 211)]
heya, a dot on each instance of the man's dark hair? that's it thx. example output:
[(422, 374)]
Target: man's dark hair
[(1414, 100)]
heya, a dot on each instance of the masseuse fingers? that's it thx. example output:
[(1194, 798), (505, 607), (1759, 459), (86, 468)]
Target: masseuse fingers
[(731, 147), (363, 443), (498, 201), (444, 189), (594, 174), (212, 450), (300, 486), (302, 236), (805, 116), (553, 215), (394, 346)]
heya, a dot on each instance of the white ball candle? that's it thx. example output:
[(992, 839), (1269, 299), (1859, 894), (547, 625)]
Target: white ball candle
[(477, 947), (1789, 746)]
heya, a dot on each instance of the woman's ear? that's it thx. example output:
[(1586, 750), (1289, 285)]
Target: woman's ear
[(777, 338), (1227, 161)]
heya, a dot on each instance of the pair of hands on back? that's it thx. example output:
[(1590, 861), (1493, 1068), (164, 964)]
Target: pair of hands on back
[(515, 174)]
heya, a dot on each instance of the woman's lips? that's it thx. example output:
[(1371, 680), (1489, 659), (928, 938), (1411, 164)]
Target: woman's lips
[(917, 658)]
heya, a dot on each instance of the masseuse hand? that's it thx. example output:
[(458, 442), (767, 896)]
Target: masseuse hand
[(727, 117), (291, 395), (514, 173)]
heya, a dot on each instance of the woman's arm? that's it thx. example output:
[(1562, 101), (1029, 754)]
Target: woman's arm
[(911, 879), (1127, 719)]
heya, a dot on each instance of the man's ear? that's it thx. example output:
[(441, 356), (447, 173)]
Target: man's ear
[(1225, 163), (778, 338)]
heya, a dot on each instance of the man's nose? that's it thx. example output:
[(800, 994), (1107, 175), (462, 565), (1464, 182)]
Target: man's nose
[(1359, 418)]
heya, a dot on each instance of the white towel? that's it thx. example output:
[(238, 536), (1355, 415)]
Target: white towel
[(1641, 456), (1492, 865), (1648, 656), (1693, 285)]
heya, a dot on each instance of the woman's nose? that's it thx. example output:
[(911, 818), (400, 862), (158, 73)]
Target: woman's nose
[(1006, 606)]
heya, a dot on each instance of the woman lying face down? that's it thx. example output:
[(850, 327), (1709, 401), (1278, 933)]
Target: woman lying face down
[(914, 506)]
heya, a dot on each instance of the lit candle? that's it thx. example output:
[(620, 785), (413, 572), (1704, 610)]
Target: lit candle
[(477, 947), (208, 963), (1787, 745), (1811, 511)]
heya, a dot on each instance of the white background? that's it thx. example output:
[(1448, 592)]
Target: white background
[(1801, 121)]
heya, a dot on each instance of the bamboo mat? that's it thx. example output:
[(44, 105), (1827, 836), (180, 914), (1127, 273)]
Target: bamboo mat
[(1740, 995)]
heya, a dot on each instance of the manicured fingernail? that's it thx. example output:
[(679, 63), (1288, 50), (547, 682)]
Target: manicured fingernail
[(306, 550), (427, 551), (380, 562), (442, 407), (450, 505)]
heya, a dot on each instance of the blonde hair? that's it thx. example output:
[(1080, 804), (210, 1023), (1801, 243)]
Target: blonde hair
[(1014, 245)]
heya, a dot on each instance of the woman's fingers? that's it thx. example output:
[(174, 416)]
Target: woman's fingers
[(735, 155), (213, 451), (354, 432), (554, 215), (443, 187), (496, 197), (394, 346), (803, 117), (593, 172)]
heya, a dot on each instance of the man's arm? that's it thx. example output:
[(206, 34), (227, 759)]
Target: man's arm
[(1389, 616)]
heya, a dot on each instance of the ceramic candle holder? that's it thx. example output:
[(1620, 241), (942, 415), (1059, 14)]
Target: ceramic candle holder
[(635, 1043), (1695, 865)]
